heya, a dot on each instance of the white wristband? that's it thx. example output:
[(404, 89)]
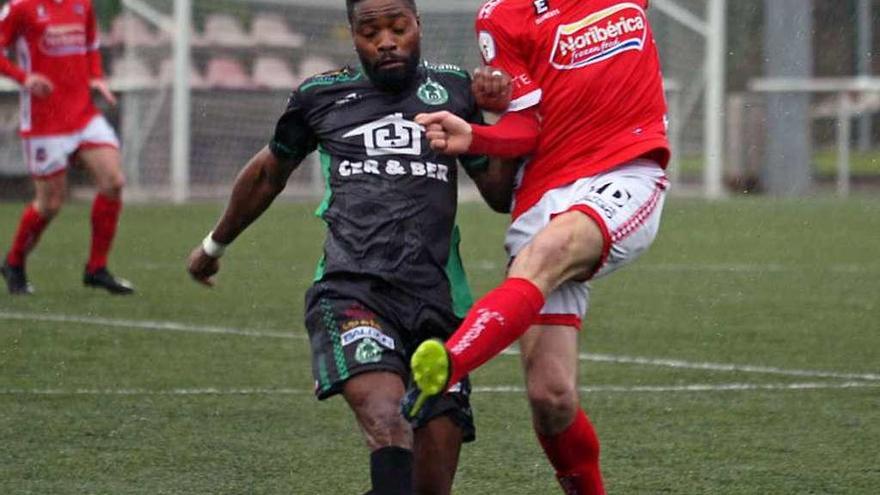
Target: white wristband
[(211, 247)]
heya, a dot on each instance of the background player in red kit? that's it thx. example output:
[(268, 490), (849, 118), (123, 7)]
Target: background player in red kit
[(57, 66), (588, 108)]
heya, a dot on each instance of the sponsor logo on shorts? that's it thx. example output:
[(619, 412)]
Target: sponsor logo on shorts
[(600, 36), (41, 155), (367, 333), (368, 351)]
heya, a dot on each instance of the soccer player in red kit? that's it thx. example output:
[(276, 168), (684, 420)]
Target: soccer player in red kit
[(57, 65), (587, 107)]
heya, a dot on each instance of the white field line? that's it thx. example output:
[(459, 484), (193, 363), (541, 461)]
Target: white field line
[(840, 268), (736, 368), (167, 326), (602, 358), (699, 387)]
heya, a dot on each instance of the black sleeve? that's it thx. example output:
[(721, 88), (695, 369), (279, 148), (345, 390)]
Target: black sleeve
[(294, 138), (473, 163)]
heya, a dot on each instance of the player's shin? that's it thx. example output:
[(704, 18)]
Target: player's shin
[(495, 322), (30, 227), (574, 453), (105, 217)]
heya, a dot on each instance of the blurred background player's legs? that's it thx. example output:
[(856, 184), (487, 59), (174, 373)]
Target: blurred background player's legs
[(550, 362), (49, 196), (105, 165)]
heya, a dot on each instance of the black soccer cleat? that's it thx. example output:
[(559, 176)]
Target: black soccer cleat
[(16, 280), (103, 279)]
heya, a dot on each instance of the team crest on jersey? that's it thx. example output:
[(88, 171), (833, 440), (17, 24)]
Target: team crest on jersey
[(433, 93), (78, 9), (390, 135), (600, 36)]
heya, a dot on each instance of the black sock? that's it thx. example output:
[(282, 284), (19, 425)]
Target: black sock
[(391, 471)]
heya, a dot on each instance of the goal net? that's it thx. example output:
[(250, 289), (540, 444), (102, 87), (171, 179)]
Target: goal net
[(246, 55)]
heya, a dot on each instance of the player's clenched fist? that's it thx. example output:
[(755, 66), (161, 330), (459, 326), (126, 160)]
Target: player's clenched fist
[(492, 88), (446, 132), (202, 267)]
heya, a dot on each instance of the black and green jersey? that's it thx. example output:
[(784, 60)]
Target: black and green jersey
[(390, 201)]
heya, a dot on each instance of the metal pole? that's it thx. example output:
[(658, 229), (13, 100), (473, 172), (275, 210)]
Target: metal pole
[(714, 111), (844, 132), (180, 114), (863, 60)]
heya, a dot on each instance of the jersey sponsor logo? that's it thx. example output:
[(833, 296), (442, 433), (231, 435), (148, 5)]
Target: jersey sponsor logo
[(367, 332), (487, 46), (431, 170), (541, 6), (432, 93), (549, 15), (64, 39), (600, 36), (390, 135)]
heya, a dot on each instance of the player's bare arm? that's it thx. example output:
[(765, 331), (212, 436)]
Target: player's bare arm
[(100, 85), (255, 188), (496, 182)]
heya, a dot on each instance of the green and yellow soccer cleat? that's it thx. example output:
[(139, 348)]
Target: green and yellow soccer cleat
[(430, 369)]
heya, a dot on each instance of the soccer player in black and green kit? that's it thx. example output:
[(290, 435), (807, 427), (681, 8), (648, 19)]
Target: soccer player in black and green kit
[(390, 276)]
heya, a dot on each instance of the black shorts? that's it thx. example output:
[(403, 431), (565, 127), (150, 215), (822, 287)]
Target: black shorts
[(359, 325)]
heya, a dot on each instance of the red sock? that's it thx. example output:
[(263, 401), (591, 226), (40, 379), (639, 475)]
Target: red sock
[(574, 454), (30, 227), (105, 215), (495, 322)]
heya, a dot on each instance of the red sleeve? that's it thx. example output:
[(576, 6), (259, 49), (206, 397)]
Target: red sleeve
[(514, 135), (93, 45), (502, 45), (9, 30)]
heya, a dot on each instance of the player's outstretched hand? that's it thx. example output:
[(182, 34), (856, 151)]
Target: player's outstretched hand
[(446, 132), (39, 85), (492, 88), (202, 267), (101, 87)]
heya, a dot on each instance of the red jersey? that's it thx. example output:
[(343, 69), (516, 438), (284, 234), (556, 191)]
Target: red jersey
[(592, 69), (57, 39)]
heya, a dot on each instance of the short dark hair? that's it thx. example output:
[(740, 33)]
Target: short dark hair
[(349, 6)]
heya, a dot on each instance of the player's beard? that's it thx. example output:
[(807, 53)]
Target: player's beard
[(393, 79)]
